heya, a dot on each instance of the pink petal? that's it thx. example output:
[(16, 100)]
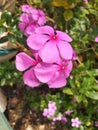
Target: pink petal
[(42, 18), (30, 29), (22, 26), (45, 30), (96, 39), (24, 18), (49, 53), (74, 55), (30, 79), (68, 69), (26, 8), (36, 41), (65, 49), (34, 13), (35, 18), (64, 36), (41, 13), (58, 81), (44, 71), (23, 61)]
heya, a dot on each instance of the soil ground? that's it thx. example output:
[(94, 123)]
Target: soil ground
[(19, 114)]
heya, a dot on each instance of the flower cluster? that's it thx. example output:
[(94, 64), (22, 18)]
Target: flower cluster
[(51, 113), (51, 51), (30, 19)]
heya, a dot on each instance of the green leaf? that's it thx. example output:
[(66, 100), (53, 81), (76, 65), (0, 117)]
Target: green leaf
[(2, 21), (65, 3), (2, 30), (81, 127), (11, 38), (4, 39), (94, 12), (96, 72), (3, 82), (7, 17), (68, 14), (15, 22), (68, 91), (92, 95)]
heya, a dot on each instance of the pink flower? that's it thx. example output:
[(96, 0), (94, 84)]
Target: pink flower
[(30, 19), (50, 44), (37, 14), (68, 112), (64, 120), (57, 77), (96, 39), (50, 111), (75, 122)]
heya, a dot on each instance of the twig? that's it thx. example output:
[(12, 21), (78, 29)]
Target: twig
[(22, 48), (50, 19)]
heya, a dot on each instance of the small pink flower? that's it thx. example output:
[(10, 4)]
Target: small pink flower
[(75, 122), (96, 39), (75, 100), (52, 105), (64, 120), (57, 117), (50, 111), (68, 112), (46, 113), (50, 44)]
